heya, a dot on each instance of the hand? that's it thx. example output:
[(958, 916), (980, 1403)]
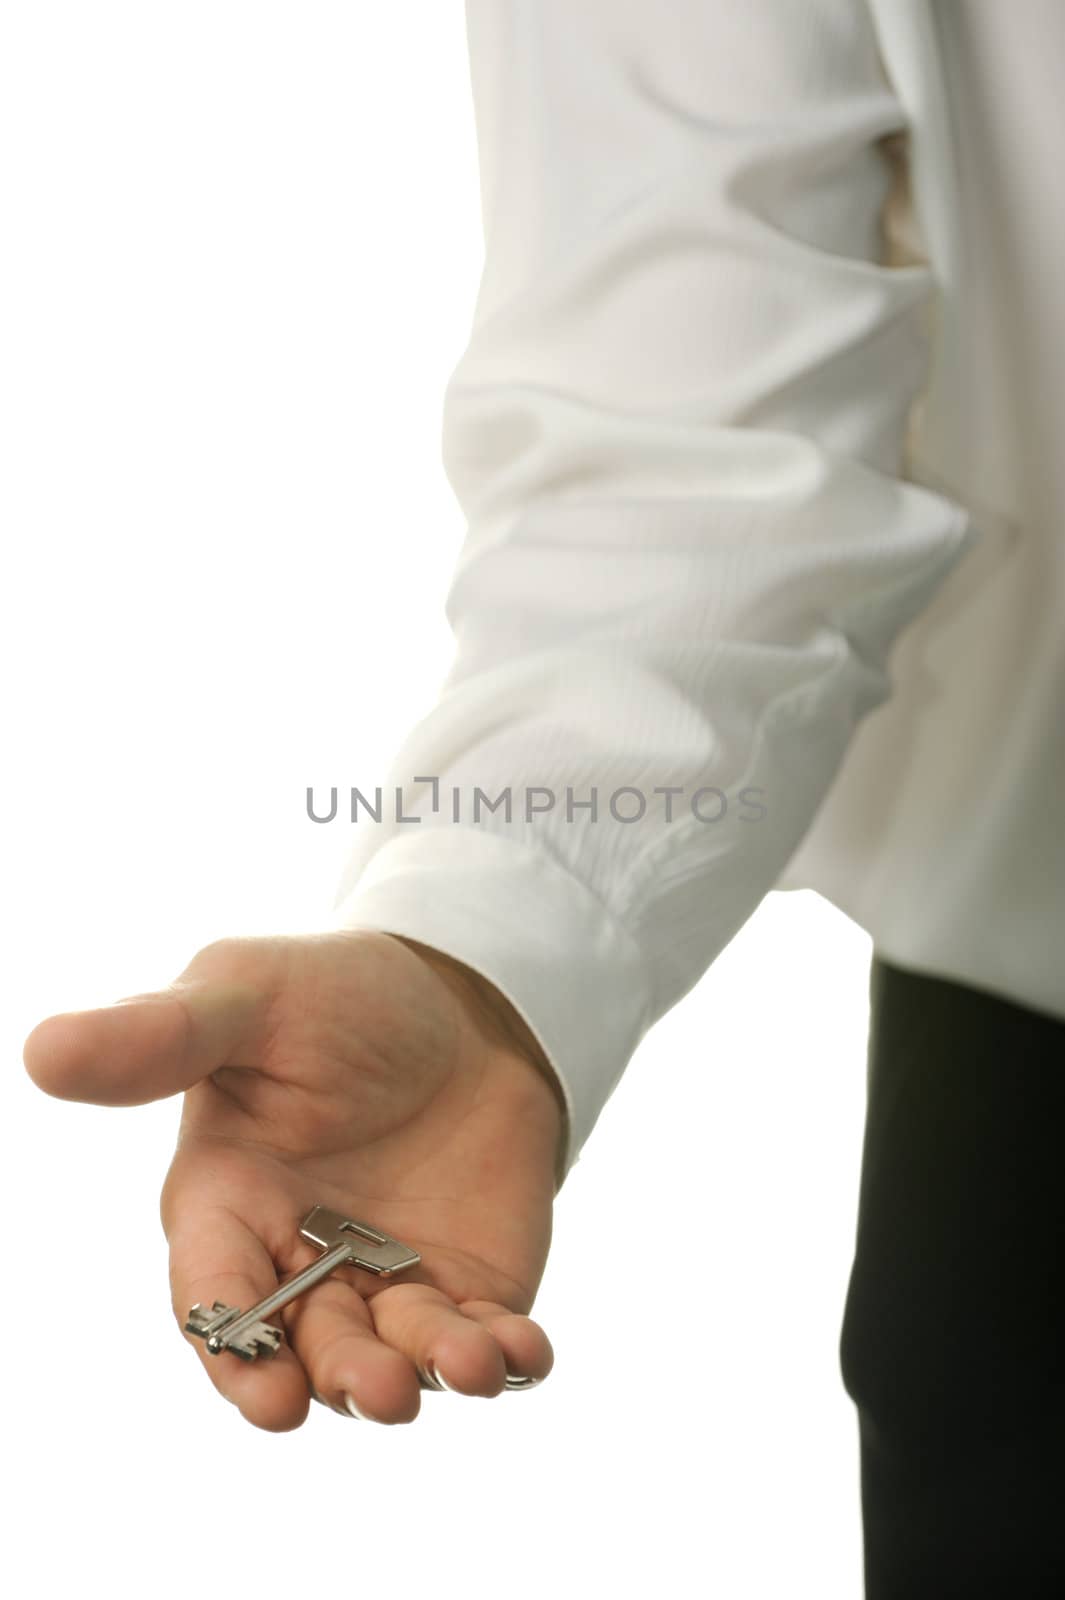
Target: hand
[(378, 1078)]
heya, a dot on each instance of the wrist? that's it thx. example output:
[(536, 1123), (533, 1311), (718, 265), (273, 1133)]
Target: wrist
[(500, 1025)]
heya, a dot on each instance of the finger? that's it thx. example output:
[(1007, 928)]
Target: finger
[(216, 1256), (459, 1352), (332, 1332), (526, 1348), (146, 1047)]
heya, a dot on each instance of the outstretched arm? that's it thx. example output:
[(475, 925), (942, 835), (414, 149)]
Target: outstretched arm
[(677, 434)]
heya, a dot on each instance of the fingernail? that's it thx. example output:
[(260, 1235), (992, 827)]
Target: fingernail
[(433, 1373), (353, 1410), (330, 1405)]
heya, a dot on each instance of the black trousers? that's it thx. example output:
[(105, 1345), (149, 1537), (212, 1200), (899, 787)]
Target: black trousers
[(953, 1339)]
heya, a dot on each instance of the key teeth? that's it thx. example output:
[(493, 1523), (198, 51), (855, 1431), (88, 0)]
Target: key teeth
[(260, 1340), (200, 1319)]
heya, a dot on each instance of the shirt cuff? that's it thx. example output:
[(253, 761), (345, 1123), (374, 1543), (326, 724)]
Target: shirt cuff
[(566, 965)]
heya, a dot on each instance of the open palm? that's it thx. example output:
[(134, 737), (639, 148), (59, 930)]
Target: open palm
[(359, 1072)]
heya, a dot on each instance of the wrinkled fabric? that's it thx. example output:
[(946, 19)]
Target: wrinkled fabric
[(706, 437)]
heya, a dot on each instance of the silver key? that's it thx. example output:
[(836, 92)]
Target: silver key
[(345, 1243)]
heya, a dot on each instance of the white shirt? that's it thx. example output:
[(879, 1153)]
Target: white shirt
[(758, 436)]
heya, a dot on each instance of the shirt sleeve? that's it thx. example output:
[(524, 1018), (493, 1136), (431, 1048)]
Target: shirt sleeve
[(676, 434)]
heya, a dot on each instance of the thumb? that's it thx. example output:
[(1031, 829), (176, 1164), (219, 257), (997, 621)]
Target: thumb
[(146, 1047)]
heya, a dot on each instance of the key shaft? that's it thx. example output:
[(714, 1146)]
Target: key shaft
[(338, 1256)]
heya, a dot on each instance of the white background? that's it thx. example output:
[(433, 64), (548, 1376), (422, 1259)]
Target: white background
[(240, 257)]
